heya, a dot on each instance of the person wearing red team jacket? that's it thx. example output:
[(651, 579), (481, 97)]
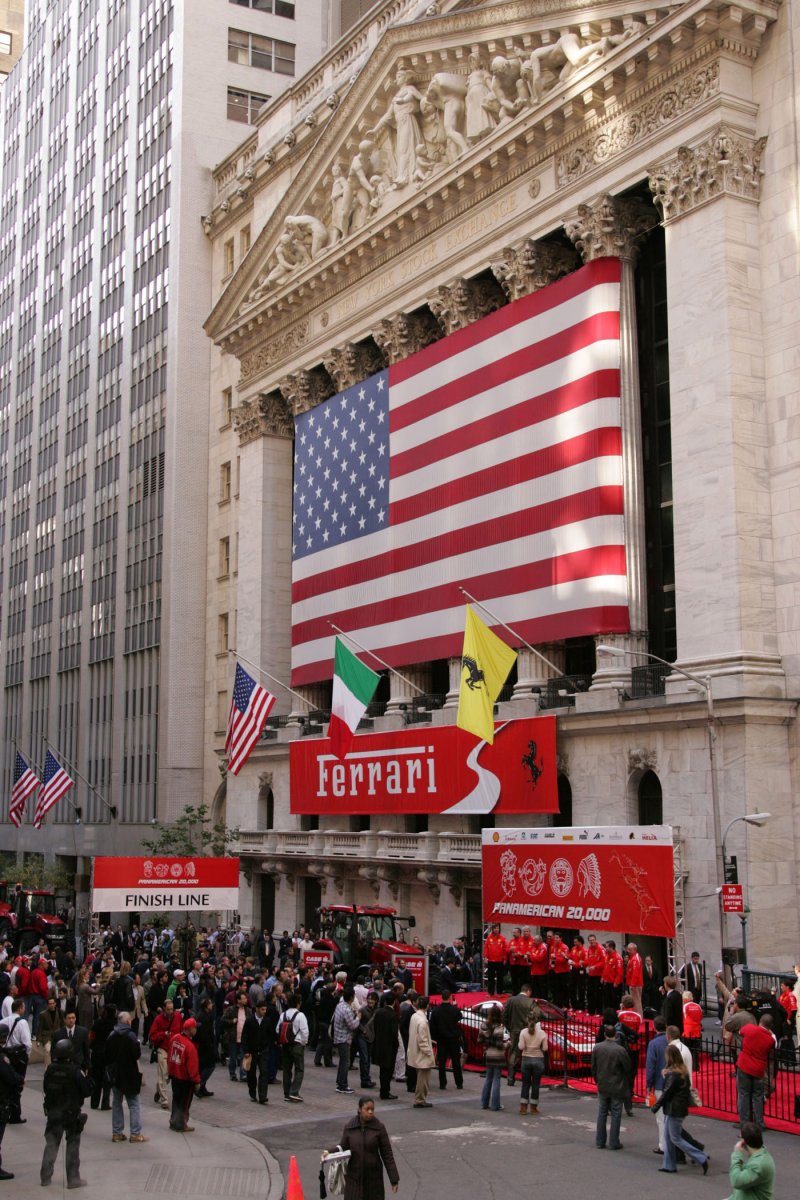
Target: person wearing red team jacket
[(495, 952), (540, 965), (595, 963), (612, 976), (577, 974), (184, 1076), (560, 960), (752, 1066), (634, 977)]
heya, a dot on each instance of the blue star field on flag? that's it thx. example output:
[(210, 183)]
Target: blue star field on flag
[(341, 468)]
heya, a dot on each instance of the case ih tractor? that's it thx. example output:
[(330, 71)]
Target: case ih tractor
[(362, 937), (27, 914)]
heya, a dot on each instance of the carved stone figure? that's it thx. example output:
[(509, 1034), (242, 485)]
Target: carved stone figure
[(309, 231), (480, 118), (403, 119), (448, 94), (341, 204), (509, 93), (363, 190), (290, 255), (559, 60)]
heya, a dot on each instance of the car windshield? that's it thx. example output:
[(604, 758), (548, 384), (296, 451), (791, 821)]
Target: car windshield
[(40, 904)]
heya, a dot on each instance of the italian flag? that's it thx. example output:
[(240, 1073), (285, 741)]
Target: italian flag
[(353, 688)]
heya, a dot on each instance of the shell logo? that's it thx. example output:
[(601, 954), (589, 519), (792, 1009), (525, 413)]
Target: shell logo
[(495, 837)]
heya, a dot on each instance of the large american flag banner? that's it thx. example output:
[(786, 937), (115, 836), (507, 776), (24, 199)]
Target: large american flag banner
[(25, 784), (492, 460), (55, 784)]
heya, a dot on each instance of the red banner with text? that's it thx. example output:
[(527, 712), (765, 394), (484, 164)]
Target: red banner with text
[(608, 877), (430, 769)]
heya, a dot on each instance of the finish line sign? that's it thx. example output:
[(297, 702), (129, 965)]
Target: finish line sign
[(161, 884)]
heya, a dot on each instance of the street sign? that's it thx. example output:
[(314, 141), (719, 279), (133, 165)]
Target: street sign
[(732, 898)]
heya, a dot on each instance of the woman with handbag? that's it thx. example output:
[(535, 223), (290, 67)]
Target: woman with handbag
[(675, 1100), (492, 1036), (370, 1152)]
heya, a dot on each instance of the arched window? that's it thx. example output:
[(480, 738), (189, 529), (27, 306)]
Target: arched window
[(564, 814), (266, 807), (651, 809)]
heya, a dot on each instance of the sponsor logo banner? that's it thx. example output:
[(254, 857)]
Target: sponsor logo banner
[(430, 769), (616, 878), (417, 964), (164, 884)]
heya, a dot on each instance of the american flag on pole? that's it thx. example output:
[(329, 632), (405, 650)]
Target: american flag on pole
[(56, 783), (491, 459), (250, 705), (25, 784)]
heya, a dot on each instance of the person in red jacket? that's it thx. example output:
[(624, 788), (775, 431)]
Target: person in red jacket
[(634, 977), (752, 1066), (577, 974), (595, 962), (560, 961), (630, 1026), (184, 1075), (613, 972), (516, 960), (39, 992), (692, 1027), (524, 949), (165, 1025), (495, 951), (540, 965)]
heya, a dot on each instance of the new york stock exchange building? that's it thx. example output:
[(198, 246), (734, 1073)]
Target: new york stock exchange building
[(506, 299)]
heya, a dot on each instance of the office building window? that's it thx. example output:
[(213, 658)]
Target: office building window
[(227, 251), (225, 482), (227, 406), (244, 241), (5, 42), (224, 556), (243, 106), (281, 8), (222, 634), (251, 50)]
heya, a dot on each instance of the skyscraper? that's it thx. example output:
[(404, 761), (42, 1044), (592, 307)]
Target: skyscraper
[(112, 120)]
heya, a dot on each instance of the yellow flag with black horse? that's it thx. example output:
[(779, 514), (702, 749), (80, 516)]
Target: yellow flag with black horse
[(485, 664)]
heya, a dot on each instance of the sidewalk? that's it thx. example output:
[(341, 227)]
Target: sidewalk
[(209, 1162)]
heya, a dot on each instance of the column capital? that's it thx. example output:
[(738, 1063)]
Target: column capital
[(303, 390), (265, 416), (611, 226), (458, 304), (352, 362), (406, 333), (532, 266), (723, 163)]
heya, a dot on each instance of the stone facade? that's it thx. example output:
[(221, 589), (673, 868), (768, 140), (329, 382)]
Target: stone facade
[(437, 168)]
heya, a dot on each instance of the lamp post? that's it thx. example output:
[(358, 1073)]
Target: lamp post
[(758, 819), (711, 731)]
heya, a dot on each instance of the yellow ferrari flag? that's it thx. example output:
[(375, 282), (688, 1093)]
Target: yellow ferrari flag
[(485, 664)]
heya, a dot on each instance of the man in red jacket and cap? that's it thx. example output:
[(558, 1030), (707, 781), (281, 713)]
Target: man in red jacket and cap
[(184, 1075), (752, 1066)]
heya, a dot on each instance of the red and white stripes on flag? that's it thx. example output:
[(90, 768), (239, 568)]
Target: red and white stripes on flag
[(250, 705), (55, 784), (25, 784), (495, 463)]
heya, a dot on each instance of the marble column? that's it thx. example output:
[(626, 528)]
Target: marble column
[(533, 671), (725, 580), (613, 226), (401, 691)]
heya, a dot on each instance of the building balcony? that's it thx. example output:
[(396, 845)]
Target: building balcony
[(428, 848)]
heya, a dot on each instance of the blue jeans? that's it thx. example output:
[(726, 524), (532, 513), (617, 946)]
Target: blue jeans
[(490, 1095), (235, 1060), (674, 1140), (532, 1072), (606, 1105), (38, 1005), (118, 1116), (749, 1094)]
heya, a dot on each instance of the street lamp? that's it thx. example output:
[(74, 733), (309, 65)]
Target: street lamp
[(759, 818), (711, 730)]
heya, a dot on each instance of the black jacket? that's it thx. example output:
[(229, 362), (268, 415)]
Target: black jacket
[(122, 1060), (80, 1043), (445, 1022), (676, 1096), (672, 1010), (64, 1090), (255, 1037)]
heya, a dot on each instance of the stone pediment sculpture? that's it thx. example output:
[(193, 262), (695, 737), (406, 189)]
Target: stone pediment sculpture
[(432, 101)]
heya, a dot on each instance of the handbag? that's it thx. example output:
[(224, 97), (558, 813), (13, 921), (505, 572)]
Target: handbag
[(335, 1168), (247, 1062)]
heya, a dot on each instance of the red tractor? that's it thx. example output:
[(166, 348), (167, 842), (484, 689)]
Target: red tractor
[(362, 937), (27, 914)]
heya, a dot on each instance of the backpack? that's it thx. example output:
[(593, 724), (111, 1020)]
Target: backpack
[(287, 1034)]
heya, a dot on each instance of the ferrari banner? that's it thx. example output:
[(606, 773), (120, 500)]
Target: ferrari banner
[(430, 769), (605, 877), (160, 884)]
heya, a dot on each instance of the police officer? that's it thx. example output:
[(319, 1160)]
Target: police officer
[(10, 1087), (65, 1088)]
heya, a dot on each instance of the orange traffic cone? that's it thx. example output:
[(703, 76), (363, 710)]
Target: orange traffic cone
[(295, 1189)]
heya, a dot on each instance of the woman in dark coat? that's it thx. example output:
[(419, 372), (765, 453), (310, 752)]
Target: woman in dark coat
[(370, 1151), (385, 1044)]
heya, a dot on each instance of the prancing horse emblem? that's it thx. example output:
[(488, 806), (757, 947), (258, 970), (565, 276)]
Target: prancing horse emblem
[(529, 761), (476, 675)]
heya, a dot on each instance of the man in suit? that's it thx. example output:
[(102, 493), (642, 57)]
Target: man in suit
[(672, 1010), (79, 1038), (691, 976), (258, 1038)]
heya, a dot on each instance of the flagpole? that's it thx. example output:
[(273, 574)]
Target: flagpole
[(111, 808), (40, 771), (520, 639), (372, 654), (279, 682)]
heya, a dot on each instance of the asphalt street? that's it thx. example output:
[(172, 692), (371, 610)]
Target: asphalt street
[(453, 1151)]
